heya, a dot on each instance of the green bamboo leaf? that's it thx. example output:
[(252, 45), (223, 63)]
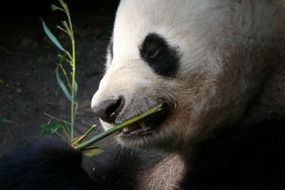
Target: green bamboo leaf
[(66, 27), (62, 85), (92, 151), (65, 75), (62, 29), (64, 5), (52, 37), (51, 127), (4, 122), (55, 8)]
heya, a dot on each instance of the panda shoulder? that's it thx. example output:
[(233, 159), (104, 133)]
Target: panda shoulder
[(47, 164)]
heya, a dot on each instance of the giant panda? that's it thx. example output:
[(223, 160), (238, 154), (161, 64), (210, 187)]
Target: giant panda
[(216, 67)]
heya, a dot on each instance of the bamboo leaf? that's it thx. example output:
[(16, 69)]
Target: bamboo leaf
[(62, 85), (66, 27), (4, 122), (52, 37), (62, 29), (65, 75), (92, 151), (51, 127), (55, 8), (64, 5), (57, 119)]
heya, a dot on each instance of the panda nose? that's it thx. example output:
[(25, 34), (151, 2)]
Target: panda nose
[(109, 109)]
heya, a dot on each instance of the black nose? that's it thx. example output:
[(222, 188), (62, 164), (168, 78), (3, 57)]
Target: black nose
[(108, 110)]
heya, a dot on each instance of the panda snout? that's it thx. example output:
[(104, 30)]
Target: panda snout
[(109, 109)]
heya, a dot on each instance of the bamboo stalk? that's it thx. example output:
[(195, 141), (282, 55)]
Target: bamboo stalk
[(116, 128)]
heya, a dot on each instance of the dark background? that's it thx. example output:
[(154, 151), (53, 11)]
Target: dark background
[(28, 87)]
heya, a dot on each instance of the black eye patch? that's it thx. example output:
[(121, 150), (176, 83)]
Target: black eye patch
[(159, 55)]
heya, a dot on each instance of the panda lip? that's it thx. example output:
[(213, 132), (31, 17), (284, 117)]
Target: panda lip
[(147, 125)]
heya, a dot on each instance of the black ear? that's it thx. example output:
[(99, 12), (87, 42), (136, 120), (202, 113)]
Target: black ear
[(160, 56)]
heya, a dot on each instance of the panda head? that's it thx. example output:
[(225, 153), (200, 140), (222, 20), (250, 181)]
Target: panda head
[(183, 55)]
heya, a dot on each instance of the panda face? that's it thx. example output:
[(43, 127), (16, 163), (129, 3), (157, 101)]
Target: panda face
[(174, 53)]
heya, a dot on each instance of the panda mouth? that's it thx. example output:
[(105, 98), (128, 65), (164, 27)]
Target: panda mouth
[(146, 125)]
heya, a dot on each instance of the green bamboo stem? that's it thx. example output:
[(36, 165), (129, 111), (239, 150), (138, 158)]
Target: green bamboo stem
[(69, 29), (84, 136), (116, 128)]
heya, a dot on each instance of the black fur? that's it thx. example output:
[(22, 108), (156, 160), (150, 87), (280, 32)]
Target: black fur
[(117, 167), (45, 165), (241, 158), (248, 157), (160, 56), (53, 165)]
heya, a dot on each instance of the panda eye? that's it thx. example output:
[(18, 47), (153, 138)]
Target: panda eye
[(159, 55), (151, 47), (150, 50)]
